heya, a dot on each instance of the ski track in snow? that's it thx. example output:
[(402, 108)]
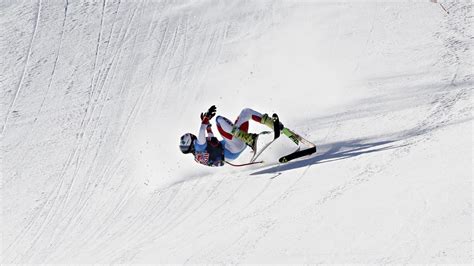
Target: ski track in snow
[(18, 89), (72, 184)]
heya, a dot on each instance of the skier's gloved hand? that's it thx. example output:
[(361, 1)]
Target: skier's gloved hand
[(211, 112), (205, 117)]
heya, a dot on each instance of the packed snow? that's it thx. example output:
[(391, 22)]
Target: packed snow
[(95, 95)]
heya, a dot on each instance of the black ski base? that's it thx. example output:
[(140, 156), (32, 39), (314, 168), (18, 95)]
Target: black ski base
[(297, 154), (276, 126)]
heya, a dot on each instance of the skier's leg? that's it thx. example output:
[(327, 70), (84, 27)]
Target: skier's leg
[(240, 129), (242, 121), (247, 114), (233, 148), (231, 144), (224, 126)]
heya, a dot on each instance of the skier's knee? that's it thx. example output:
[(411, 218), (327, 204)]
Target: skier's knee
[(246, 112), (220, 120)]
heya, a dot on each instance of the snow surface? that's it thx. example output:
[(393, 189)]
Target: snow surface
[(96, 94)]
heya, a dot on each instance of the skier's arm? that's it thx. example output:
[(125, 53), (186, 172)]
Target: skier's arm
[(205, 128), (201, 140), (209, 131)]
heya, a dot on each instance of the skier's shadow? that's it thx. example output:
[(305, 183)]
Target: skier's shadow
[(335, 152)]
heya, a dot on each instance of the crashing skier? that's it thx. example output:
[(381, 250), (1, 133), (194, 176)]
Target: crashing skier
[(210, 151)]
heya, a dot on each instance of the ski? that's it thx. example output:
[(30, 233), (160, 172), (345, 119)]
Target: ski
[(276, 125), (297, 154), (297, 139), (257, 154), (244, 164)]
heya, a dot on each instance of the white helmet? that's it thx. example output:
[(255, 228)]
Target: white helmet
[(186, 144)]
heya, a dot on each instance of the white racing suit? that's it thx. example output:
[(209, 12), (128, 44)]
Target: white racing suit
[(212, 152)]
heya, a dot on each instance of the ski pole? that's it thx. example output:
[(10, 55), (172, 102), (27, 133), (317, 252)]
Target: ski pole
[(245, 164)]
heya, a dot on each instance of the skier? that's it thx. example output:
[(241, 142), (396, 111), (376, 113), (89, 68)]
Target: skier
[(212, 152)]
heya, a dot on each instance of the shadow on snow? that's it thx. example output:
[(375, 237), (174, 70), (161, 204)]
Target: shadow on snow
[(408, 98), (334, 152)]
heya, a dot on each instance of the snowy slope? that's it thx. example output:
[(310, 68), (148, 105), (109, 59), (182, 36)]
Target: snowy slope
[(96, 94)]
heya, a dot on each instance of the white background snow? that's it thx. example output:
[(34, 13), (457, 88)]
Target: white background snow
[(95, 94)]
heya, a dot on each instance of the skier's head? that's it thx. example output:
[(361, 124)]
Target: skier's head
[(186, 144)]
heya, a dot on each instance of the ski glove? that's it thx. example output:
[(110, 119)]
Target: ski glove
[(205, 117)]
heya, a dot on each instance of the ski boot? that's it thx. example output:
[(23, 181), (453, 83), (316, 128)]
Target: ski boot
[(249, 138)]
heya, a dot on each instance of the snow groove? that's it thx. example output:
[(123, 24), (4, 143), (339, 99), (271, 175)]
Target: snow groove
[(53, 72), (28, 54)]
